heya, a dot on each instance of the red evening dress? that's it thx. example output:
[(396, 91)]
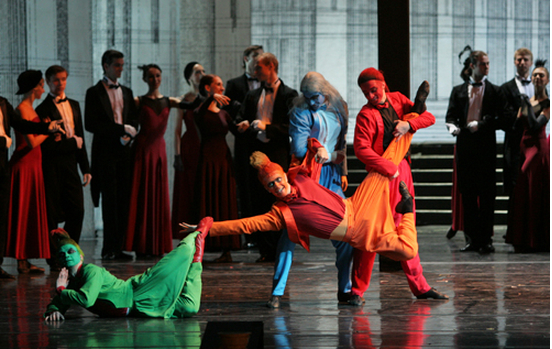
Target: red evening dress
[(184, 181), (529, 214), (27, 220), (149, 221), (215, 182)]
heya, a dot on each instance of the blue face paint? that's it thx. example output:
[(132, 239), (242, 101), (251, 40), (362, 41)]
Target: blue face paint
[(314, 99)]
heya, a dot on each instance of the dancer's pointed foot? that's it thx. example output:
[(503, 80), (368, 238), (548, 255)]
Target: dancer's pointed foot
[(432, 294), (421, 96), (203, 228), (273, 302), (406, 205)]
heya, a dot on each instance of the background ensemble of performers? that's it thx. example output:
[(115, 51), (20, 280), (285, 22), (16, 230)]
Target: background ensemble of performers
[(40, 186)]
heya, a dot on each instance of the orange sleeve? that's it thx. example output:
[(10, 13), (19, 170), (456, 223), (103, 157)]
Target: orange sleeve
[(270, 221)]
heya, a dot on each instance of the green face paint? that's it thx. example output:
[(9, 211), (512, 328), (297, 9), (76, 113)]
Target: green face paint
[(69, 255)]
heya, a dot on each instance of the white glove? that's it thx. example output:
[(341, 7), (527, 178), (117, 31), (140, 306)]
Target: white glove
[(452, 129), (130, 130), (473, 125)]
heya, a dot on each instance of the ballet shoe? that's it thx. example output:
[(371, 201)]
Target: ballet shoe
[(406, 205), (343, 297), (432, 294), (421, 96), (451, 233), (356, 300), (273, 302), (203, 228)]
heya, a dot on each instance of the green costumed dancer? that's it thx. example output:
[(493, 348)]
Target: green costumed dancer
[(169, 289)]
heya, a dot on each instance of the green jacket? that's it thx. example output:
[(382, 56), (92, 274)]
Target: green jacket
[(91, 284)]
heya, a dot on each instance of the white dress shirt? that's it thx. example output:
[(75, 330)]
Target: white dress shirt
[(66, 113), (265, 108)]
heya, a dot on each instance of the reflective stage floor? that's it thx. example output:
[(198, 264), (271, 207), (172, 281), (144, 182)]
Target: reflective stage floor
[(501, 300)]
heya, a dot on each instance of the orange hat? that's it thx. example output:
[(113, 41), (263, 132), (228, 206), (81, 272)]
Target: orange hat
[(263, 164)]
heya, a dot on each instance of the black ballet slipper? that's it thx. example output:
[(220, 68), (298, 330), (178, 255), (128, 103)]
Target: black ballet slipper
[(421, 96), (406, 205)]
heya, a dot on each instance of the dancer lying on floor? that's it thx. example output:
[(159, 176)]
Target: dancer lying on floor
[(169, 289), (306, 208)]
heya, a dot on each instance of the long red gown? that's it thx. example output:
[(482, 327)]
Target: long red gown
[(529, 213), (215, 182), (149, 221), (184, 181), (27, 221)]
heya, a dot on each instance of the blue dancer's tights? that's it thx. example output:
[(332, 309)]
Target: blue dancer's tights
[(284, 259)]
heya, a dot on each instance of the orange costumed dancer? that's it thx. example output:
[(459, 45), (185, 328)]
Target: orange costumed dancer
[(305, 208)]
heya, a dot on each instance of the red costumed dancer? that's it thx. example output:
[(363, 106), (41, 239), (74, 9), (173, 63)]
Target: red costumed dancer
[(380, 124)]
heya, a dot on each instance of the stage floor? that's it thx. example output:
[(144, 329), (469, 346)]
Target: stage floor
[(501, 300)]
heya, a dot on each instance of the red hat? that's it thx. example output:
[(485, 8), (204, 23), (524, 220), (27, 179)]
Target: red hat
[(263, 164), (370, 74)]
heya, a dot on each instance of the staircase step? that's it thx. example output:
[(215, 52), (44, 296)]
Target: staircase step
[(444, 202), (443, 217), (432, 174)]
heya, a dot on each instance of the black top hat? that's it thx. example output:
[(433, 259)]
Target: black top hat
[(28, 80)]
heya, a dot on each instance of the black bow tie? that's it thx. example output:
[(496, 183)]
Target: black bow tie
[(268, 89), (252, 79), (525, 82), (109, 84), (61, 100), (477, 84)]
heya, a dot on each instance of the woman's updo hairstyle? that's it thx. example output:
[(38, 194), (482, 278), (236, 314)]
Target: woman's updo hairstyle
[(146, 67)]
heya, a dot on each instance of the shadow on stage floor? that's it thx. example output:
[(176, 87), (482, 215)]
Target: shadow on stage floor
[(501, 300)]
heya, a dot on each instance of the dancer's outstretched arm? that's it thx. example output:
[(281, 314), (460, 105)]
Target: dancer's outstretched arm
[(270, 221)]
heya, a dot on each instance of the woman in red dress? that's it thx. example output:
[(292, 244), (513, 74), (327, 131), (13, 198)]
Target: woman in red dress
[(215, 182), (27, 221), (149, 221), (529, 214), (186, 156)]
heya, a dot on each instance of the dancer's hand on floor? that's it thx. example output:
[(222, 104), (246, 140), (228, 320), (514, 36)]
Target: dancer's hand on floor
[(55, 316)]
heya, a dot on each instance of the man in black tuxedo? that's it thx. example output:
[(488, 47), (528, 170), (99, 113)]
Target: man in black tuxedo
[(63, 155), (474, 112), (265, 117), (9, 118), (236, 89), (520, 84), (110, 114)]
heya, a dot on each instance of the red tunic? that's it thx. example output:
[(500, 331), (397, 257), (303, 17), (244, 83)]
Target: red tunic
[(368, 141)]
